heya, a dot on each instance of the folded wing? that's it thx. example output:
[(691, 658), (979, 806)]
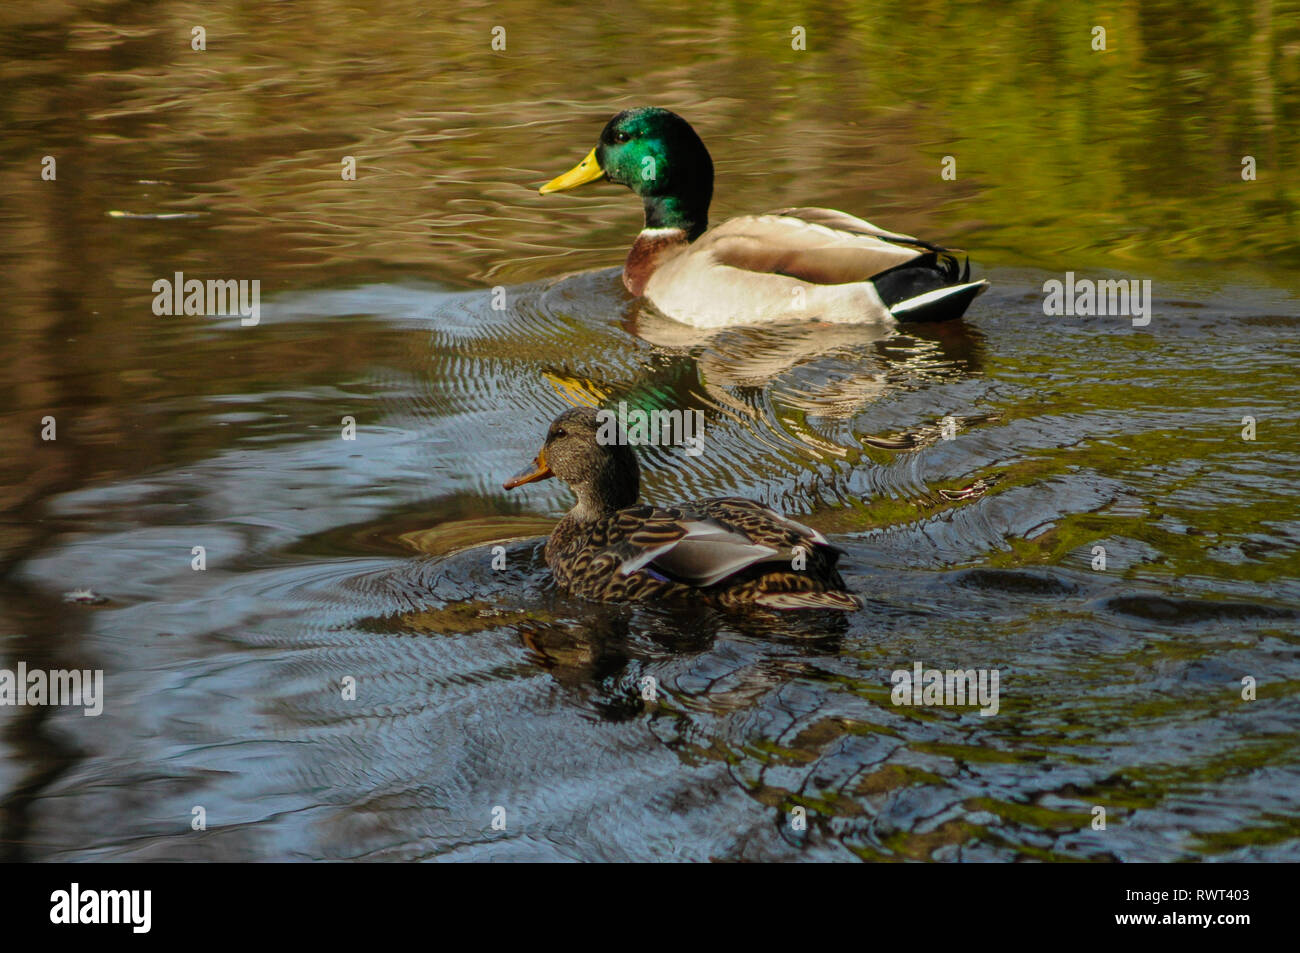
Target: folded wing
[(820, 246), (723, 538)]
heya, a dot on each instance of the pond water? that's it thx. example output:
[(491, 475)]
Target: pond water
[(969, 470)]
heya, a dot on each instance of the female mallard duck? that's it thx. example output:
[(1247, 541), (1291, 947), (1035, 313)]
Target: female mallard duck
[(732, 551), (786, 264)]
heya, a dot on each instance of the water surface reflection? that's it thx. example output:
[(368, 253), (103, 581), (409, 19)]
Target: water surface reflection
[(644, 732)]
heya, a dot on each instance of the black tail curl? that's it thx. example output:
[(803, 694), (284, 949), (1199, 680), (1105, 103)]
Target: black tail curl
[(929, 272)]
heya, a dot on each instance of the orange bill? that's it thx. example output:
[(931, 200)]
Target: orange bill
[(538, 471)]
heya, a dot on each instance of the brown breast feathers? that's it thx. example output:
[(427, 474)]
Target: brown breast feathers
[(650, 250)]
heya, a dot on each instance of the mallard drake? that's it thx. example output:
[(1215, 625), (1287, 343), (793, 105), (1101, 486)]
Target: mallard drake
[(780, 266), (731, 551)]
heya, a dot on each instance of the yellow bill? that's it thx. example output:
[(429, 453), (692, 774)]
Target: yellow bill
[(588, 170)]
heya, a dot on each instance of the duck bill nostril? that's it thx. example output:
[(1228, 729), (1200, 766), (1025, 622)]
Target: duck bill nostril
[(539, 470)]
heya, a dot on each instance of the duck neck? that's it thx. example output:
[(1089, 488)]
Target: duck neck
[(613, 487), (688, 212), (589, 509)]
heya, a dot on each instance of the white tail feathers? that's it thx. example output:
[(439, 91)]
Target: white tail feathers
[(941, 304)]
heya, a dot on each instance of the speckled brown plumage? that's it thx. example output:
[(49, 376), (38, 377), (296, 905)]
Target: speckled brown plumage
[(730, 551)]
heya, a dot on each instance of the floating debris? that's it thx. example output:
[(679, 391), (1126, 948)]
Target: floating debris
[(155, 216), (84, 597), (976, 489)]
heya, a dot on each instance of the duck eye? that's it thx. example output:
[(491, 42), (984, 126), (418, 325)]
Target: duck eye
[(621, 137), (556, 435)]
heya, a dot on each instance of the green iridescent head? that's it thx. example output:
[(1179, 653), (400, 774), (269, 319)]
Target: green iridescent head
[(656, 154)]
